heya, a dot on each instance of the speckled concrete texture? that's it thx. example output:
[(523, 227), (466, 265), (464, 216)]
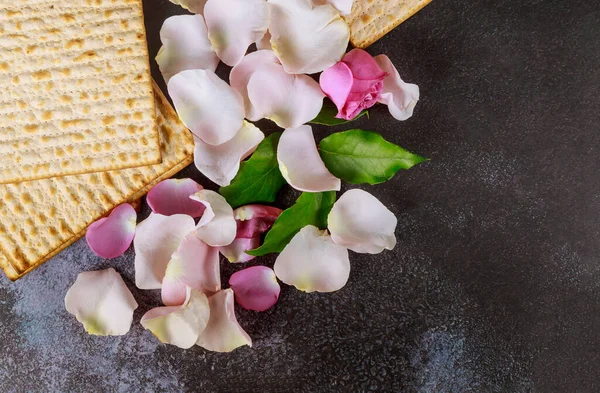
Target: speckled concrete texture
[(494, 285)]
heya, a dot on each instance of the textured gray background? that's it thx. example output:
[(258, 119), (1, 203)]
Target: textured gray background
[(494, 284)]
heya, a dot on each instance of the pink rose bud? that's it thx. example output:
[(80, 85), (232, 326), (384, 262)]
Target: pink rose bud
[(353, 84)]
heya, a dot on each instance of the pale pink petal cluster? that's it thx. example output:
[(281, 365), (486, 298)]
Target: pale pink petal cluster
[(177, 247), (181, 257)]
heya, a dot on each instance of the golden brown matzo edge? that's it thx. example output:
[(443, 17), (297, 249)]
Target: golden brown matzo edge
[(155, 136), (168, 112), (13, 275), (362, 42)]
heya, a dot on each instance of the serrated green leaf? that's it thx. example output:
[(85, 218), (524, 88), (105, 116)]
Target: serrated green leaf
[(359, 156), (309, 209), (259, 178), (327, 116)]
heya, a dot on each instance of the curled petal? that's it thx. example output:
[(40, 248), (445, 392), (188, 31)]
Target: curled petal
[(223, 332), (264, 42), (185, 46), (207, 105), (172, 196), (221, 163), (364, 67), (300, 163), (307, 39), (111, 236), (254, 220), (336, 82), (157, 238), (256, 288), (288, 100), (343, 6), (194, 265), (194, 6), (241, 73), (236, 251), (361, 223), (235, 24), (217, 226), (179, 326), (399, 96), (102, 302), (312, 262)]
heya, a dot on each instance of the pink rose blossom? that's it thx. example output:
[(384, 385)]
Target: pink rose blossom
[(353, 84)]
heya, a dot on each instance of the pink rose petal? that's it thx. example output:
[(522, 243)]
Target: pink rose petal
[(157, 238), (300, 162), (111, 236), (179, 326), (223, 332), (195, 264), (101, 301), (307, 38), (222, 162), (240, 76), (312, 262), (400, 97), (207, 105), (336, 82), (361, 223), (185, 46), (172, 196), (235, 252), (235, 24), (217, 227), (256, 288), (363, 65), (254, 220), (288, 100)]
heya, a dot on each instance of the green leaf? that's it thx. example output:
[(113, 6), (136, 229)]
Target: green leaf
[(309, 209), (327, 116), (359, 156), (258, 179)]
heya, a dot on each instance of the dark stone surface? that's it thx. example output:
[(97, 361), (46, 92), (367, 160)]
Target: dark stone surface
[(494, 285)]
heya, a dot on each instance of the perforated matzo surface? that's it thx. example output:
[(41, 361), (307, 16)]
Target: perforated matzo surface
[(42, 217), (76, 91), (372, 19)]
